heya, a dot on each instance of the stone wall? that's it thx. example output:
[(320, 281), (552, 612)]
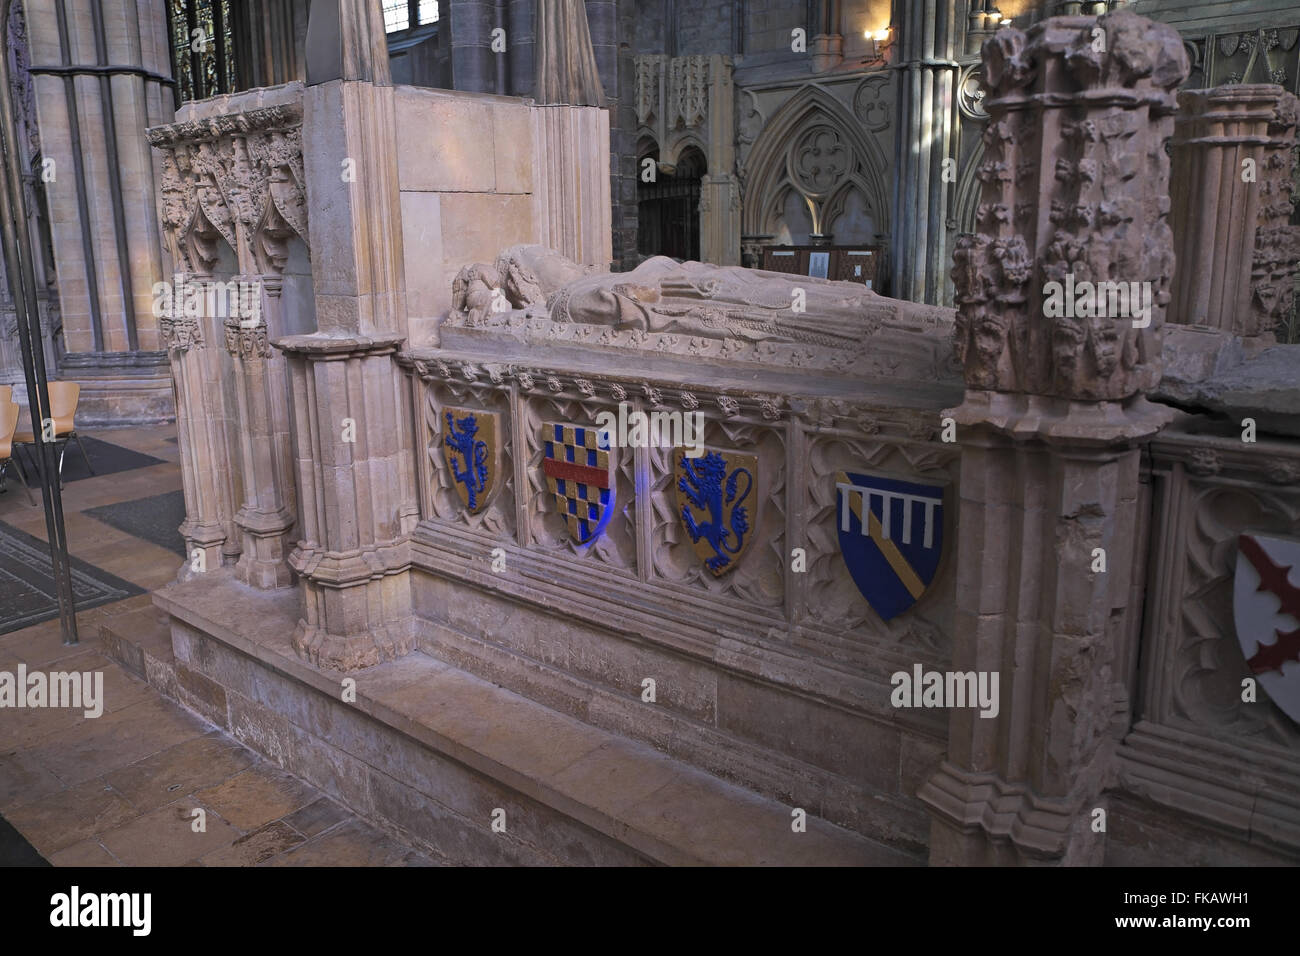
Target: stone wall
[(533, 173)]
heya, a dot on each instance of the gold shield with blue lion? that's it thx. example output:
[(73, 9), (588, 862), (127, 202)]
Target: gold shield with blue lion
[(717, 504), (471, 446)]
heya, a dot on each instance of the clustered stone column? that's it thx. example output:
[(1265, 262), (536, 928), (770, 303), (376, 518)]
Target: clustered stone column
[(233, 178), (267, 514), (352, 447), (98, 75), (1074, 188), (201, 438), (927, 31), (1233, 164), (353, 556)]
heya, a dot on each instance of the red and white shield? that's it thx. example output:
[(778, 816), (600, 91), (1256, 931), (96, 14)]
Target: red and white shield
[(1266, 609)]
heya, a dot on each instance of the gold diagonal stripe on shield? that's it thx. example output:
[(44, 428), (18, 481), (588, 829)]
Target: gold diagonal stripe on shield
[(887, 547)]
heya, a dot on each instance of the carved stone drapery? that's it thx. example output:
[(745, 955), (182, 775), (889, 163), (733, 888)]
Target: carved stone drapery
[(1079, 110), (237, 177)]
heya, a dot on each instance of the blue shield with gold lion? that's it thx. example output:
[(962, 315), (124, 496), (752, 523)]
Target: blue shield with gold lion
[(471, 447)]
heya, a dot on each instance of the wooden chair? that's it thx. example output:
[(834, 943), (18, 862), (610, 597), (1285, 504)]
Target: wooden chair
[(63, 398), (6, 393), (8, 424)]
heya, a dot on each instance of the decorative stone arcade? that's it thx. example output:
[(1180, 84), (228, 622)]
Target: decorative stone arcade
[(232, 173)]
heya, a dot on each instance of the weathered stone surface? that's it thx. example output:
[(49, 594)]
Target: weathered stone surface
[(1074, 184), (537, 296), (1265, 388), (167, 836), (1079, 109)]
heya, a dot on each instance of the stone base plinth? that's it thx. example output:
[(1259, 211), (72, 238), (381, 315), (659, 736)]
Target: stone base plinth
[(440, 754)]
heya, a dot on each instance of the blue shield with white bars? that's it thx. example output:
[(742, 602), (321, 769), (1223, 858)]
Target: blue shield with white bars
[(891, 537)]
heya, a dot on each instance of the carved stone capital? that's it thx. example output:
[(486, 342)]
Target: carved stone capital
[(179, 333), (247, 340)]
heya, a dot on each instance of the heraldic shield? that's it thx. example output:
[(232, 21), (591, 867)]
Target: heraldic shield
[(579, 467), (1266, 611), (891, 538), (717, 493), (471, 446)]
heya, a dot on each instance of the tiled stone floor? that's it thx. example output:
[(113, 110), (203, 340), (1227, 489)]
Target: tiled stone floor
[(121, 789)]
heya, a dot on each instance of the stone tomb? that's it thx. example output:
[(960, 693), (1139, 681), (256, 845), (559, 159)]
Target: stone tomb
[(643, 655)]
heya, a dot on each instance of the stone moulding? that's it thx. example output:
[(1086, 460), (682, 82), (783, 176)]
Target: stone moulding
[(1202, 778), (1010, 814), (353, 551)]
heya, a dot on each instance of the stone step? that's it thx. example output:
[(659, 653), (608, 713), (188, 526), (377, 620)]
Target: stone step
[(418, 724), (141, 641)]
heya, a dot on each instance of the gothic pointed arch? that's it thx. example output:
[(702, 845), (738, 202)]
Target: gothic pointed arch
[(814, 146)]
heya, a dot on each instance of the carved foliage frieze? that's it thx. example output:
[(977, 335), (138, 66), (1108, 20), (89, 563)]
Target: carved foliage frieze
[(179, 333)]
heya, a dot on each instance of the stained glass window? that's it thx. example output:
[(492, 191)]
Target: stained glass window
[(402, 15), (397, 15), (203, 49)]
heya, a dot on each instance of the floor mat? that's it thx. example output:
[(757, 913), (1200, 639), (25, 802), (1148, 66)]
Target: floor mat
[(107, 458), (16, 851), (27, 591), (154, 519)]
